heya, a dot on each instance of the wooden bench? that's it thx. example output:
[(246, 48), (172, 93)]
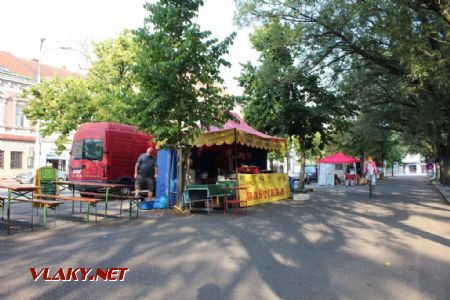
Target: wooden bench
[(38, 203), (89, 202), (133, 200)]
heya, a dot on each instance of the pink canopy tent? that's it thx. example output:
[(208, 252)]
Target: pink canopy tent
[(240, 132), (327, 168), (338, 158), (240, 125)]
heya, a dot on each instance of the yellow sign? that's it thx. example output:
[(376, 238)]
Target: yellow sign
[(263, 188)]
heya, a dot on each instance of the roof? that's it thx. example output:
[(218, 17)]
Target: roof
[(109, 126), (240, 132), (29, 67), (338, 158), (242, 126)]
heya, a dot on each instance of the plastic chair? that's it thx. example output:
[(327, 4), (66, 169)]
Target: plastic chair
[(232, 197), (45, 180)]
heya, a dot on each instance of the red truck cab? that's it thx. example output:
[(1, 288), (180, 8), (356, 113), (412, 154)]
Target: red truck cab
[(107, 152)]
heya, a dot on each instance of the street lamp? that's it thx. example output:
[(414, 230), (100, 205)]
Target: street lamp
[(85, 55), (37, 145)]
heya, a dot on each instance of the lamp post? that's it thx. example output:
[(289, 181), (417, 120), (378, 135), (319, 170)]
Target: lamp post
[(85, 55), (37, 145)]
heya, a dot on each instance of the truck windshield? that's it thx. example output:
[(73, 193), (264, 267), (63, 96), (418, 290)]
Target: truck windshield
[(89, 149)]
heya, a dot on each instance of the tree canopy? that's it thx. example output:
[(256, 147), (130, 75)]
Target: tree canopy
[(178, 74), (280, 98), (394, 55), (163, 78), (103, 94)]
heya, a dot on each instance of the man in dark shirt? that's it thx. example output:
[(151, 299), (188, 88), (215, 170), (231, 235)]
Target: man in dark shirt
[(145, 171)]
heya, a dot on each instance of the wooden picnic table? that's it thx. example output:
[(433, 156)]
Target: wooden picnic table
[(107, 196), (16, 192)]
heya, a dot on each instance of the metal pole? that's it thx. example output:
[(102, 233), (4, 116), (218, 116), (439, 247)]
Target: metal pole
[(235, 152), (37, 145), (169, 152)]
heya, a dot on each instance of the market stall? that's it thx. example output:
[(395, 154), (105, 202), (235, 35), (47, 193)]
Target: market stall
[(337, 167), (238, 152)]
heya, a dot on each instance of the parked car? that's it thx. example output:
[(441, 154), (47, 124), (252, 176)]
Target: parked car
[(310, 174), (311, 170), (26, 178), (296, 178)]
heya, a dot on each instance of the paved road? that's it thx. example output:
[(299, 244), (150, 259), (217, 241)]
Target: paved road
[(338, 245)]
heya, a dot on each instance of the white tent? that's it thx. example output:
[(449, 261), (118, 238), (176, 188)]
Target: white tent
[(326, 174)]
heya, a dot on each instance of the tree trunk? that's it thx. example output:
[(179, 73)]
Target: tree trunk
[(288, 160), (302, 163), (444, 162), (361, 158), (444, 167)]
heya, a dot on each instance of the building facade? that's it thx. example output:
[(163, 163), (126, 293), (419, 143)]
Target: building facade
[(413, 164), (17, 135)]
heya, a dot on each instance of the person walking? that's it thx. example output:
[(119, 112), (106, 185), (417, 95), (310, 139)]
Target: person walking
[(145, 171)]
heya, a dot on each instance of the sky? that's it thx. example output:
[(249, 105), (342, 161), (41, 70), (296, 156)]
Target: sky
[(70, 23)]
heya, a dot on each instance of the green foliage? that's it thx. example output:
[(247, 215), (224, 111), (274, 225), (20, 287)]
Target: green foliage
[(366, 137), (389, 57), (279, 98), (177, 74), (62, 105), (317, 150)]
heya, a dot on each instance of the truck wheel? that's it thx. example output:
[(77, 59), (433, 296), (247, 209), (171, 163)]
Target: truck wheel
[(126, 190)]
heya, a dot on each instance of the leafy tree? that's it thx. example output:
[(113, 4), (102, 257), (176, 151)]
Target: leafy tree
[(406, 42), (63, 104), (366, 137), (295, 104), (178, 75)]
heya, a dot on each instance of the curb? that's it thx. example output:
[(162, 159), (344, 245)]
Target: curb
[(444, 191)]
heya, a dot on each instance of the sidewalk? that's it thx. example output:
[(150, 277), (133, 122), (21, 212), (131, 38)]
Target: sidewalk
[(444, 190)]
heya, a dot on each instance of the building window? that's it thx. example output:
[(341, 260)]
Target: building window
[(2, 111), (20, 118), (2, 159), (30, 162), (16, 160), (30, 159)]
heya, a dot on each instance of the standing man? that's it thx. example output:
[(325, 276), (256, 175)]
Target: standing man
[(145, 171)]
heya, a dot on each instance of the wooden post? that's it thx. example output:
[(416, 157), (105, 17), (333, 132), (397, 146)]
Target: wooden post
[(179, 173), (235, 152), (169, 152)]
